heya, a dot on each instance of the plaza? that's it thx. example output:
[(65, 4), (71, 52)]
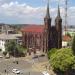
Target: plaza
[(26, 65)]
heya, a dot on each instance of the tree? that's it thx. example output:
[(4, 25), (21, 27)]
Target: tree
[(11, 46), (68, 34), (73, 45), (50, 52), (21, 50), (4, 53), (14, 49), (62, 60)]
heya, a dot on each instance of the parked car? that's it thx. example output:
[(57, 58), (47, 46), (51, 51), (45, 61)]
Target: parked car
[(36, 56), (16, 71), (1, 56), (42, 55)]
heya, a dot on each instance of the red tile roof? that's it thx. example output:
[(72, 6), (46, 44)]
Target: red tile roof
[(33, 28), (66, 38)]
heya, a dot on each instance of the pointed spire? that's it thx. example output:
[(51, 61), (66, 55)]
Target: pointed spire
[(47, 12), (58, 13)]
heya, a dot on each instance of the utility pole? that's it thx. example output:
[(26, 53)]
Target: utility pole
[(14, 55), (66, 3)]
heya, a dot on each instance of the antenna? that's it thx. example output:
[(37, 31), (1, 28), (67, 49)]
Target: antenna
[(66, 16)]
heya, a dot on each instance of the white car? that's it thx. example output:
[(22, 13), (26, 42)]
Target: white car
[(16, 71), (1, 56), (45, 73)]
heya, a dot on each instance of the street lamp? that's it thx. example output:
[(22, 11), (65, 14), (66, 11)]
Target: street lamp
[(29, 73), (14, 55)]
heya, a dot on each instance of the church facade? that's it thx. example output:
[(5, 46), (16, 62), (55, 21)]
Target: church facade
[(43, 37)]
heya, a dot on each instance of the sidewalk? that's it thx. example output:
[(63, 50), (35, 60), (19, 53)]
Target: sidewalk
[(6, 74), (40, 67)]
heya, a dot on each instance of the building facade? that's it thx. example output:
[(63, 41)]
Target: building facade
[(5, 38), (43, 37)]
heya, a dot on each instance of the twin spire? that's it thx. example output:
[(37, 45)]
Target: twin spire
[(47, 11), (58, 14), (58, 11)]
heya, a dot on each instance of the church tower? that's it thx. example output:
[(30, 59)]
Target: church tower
[(47, 29), (58, 25)]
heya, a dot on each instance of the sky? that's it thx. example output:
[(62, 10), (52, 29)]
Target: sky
[(33, 11)]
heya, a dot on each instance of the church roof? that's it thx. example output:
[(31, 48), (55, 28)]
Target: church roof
[(33, 28)]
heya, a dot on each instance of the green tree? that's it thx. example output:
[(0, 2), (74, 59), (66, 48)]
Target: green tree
[(15, 49), (50, 52), (21, 50), (68, 34), (73, 45), (62, 60), (10, 46)]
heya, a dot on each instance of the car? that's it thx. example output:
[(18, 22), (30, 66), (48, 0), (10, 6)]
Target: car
[(7, 57), (16, 71), (1, 56), (45, 73), (42, 55), (36, 56)]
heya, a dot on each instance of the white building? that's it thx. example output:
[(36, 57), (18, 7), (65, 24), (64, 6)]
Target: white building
[(4, 38), (66, 41)]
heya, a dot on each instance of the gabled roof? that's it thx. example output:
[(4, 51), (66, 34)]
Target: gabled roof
[(33, 28), (66, 38)]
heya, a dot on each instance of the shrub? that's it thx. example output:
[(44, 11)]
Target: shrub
[(4, 53)]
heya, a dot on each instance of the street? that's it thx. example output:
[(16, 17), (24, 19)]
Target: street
[(24, 66)]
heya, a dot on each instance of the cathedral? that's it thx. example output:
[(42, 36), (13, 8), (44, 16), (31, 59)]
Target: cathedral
[(43, 37)]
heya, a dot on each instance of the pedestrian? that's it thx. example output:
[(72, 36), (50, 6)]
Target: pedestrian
[(46, 67), (16, 62), (5, 70), (49, 67)]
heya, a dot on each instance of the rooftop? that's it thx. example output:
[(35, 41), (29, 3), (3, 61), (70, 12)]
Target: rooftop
[(33, 28), (9, 36), (66, 38)]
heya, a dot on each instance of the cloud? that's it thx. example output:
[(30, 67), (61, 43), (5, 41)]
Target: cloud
[(56, 1), (15, 9), (24, 13)]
